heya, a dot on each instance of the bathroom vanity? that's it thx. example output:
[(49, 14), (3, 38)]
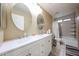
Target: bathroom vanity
[(38, 45)]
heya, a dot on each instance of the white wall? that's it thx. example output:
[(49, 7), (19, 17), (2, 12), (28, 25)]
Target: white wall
[(55, 29)]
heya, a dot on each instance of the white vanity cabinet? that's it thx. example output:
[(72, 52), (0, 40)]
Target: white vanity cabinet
[(40, 47)]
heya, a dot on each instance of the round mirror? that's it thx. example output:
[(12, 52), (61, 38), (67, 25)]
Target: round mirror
[(40, 23), (21, 16)]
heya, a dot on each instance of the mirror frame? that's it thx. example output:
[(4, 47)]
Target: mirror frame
[(30, 16), (40, 23)]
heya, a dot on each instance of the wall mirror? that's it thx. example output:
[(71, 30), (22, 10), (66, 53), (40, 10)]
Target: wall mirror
[(21, 16), (40, 23)]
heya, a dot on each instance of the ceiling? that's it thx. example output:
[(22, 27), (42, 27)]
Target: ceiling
[(59, 9)]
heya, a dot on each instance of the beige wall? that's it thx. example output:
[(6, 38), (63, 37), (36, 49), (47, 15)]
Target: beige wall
[(3, 22), (1, 35), (48, 21), (12, 32)]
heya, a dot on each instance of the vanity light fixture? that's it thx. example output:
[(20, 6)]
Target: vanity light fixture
[(67, 20), (59, 21)]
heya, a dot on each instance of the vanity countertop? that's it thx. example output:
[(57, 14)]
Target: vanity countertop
[(13, 44)]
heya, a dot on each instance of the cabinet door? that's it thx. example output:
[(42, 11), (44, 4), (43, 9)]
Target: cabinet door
[(34, 49), (22, 51), (43, 47), (46, 46)]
